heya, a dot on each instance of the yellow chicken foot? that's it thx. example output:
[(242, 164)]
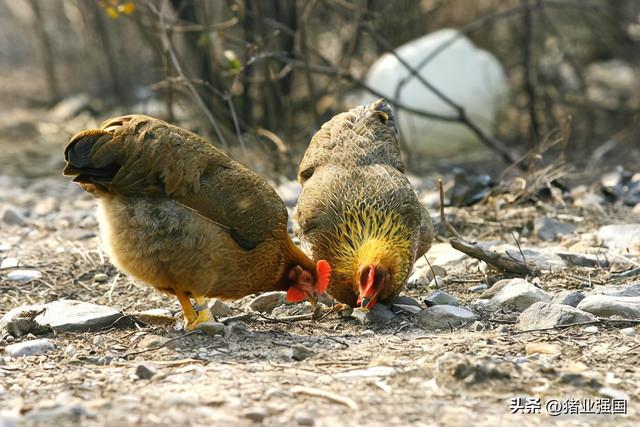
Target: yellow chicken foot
[(190, 315), (202, 308)]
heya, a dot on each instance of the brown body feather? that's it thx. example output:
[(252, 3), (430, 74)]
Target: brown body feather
[(179, 214), (357, 207)]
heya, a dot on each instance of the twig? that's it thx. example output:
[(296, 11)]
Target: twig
[(288, 319), (325, 394), (112, 287), (524, 260), (443, 218), (589, 322), (164, 344), (503, 262)]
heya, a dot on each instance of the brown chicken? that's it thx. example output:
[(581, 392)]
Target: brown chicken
[(180, 215), (358, 210)]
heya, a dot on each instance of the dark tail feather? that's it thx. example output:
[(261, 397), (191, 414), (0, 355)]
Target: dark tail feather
[(82, 162)]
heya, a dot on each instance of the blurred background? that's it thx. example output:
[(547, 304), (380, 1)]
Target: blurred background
[(482, 84)]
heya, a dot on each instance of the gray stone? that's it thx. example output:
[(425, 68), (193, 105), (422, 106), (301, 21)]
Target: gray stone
[(9, 419), (23, 276), (77, 316), (480, 287), (607, 306), (406, 304), (100, 278), (423, 275), (211, 327), (9, 263), (266, 302), (256, 414), (11, 216), (411, 309), (583, 260), (220, 309), (571, 298), (378, 313), (630, 332), (444, 317), (441, 298), (381, 312), (518, 294), (304, 418), (301, 352), (620, 236), (57, 415), (405, 300), (29, 348), (21, 321), (495, 288), (549, 229), (548, 315), (632, 290), (145, 372)]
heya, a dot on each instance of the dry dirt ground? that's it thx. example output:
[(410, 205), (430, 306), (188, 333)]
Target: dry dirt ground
[(375, 375)]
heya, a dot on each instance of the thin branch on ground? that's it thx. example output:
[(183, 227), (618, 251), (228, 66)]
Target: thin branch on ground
[(599, 321), (500, 261)]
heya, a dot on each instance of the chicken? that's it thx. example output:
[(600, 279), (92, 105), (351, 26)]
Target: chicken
[(182, 216), (358, 210)]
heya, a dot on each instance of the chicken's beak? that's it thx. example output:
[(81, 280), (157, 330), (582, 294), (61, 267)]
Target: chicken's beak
[(370, 301), (312, 297)]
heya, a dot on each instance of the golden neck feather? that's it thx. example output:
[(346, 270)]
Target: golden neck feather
[(370, 236)]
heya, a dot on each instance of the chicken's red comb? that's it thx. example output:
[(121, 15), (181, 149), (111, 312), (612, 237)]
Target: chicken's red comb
[(323, 270)]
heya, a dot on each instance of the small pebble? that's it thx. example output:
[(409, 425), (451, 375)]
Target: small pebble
[(29, 348), (9, 263), (591, 329), (480, 287), (11, 216), (145, 372), (100, 278), (23, 276), (211, 327), (305, 419), (301, 352), (440, 298), (368, 333), (220, 309), (256, 414)]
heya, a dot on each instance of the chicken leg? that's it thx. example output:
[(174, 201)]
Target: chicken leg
[(193, 317), (202, 310)]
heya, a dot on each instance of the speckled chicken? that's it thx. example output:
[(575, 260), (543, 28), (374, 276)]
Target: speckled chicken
[(357, 209), (182, 216)]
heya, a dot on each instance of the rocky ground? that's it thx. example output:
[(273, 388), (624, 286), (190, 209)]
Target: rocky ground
[(467, 344)]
